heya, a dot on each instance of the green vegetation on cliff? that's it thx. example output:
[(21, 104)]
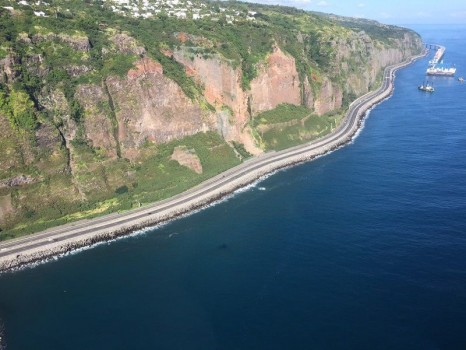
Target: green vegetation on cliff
[(69, 150), (289, 125), (19, 109), (122, 185)]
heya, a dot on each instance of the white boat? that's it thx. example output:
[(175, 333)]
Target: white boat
[(426, 87), (434, 70)]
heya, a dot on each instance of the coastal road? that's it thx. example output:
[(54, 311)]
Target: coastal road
[(15, 252)]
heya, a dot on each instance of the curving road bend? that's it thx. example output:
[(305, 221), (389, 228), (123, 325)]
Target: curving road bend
[(17, 252)]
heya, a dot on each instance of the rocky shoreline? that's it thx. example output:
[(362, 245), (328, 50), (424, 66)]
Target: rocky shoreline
[(46, 246)]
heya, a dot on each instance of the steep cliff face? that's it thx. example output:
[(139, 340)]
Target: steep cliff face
[(150, 107), (115, 116), (222, 87), (356, 65), (97, 122), (277, 82), (329, 99), (361, 59), (358, 59)]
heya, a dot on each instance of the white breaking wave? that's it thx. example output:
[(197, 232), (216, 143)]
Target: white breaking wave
[(361, 125), (245, 188), (365, 116)]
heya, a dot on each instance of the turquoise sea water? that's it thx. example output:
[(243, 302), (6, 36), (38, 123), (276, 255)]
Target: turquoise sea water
[(362, 249)]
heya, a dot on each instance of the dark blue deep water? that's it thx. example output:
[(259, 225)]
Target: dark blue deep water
[(362, 249)]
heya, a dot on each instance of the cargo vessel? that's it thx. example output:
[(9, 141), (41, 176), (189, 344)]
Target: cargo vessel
[(434, 70)]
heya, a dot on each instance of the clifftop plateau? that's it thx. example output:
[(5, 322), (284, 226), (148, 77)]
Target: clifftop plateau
[(111, 105)]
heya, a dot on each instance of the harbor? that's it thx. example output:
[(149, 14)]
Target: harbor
[(438, 54), (436, 66)]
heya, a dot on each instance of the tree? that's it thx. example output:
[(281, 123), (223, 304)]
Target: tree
[(19, 109)]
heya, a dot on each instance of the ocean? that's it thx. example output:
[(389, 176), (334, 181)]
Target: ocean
[(364, 248)]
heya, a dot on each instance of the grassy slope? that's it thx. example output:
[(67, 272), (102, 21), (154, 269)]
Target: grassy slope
[(288, 125), (155, 177)]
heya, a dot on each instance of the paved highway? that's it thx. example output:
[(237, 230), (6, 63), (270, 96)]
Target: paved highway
[(208, 190)]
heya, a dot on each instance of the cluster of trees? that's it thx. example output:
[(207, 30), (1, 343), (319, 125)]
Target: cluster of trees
[(19, 109)]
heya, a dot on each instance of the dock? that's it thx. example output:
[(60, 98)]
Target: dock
[(438, 54), (436, 66)]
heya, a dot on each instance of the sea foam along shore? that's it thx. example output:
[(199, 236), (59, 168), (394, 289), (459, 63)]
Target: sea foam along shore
[(44, 245)]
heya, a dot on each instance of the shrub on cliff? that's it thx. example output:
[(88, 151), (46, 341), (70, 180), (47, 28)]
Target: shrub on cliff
[(19, 109)]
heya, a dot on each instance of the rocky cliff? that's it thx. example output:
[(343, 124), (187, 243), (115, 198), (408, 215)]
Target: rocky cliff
[(114, 120)]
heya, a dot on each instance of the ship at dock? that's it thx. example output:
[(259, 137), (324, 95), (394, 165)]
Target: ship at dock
[(441, 71), (436, 66)]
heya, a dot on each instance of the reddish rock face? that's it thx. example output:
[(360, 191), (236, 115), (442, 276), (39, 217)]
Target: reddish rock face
[(167, 53), (151, 107), (182, 37), (221, 81), (144, 66), (222, 87), (187, 158), (148, 106), (277, 82)]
